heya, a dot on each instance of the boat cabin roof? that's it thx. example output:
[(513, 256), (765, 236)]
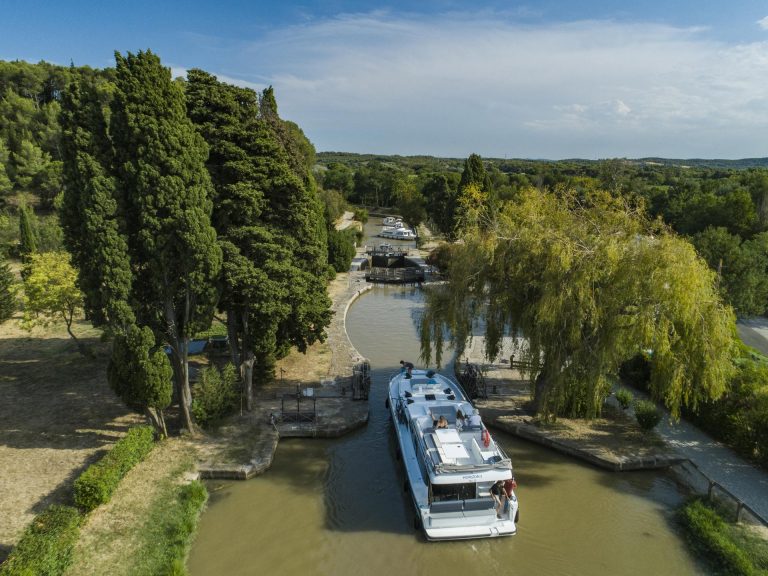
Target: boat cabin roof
[(460, 447)]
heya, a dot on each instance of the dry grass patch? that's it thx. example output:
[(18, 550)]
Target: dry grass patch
[(115, 538), (57, 416)]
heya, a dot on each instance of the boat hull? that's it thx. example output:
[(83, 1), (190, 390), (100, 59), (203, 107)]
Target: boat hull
[(469, 517)]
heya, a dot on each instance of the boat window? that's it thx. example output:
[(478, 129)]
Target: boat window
[(429, 396), (442, 492)]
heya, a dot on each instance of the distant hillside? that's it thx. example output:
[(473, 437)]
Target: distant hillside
[(352, 159)]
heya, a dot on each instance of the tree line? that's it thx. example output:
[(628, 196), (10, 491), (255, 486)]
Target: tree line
[(720, 206), (180, 198)]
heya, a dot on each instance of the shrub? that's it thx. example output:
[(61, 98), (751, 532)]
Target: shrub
[(45, 548), (215, 394), (647, 414), (96, 485), (709, 533), (341, 248), (361, 215), (624, 397)]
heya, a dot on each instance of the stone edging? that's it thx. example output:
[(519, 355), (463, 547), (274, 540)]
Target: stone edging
[(615, 464)]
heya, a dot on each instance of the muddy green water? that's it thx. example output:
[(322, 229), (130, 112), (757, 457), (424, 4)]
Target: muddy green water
[(336, 507)]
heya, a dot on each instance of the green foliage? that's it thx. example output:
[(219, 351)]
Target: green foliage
[(340, 178), (742, 267), (50, 291), (169, 530), (8, 304), (647, 414), (361, 215), (711, 537), (409, 202), (140, 373), (624, 397), (589, 282), (740, 417), (96, 485), (215, 395), (335, 205), (27, 234), (341, 248), (46, 547), (89, 213), (180, 531)]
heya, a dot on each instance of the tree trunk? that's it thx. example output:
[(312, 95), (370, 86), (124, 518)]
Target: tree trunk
[(248, 379), (234, 350), (179, 360), (540, 391), (247, 359), (82, 348)]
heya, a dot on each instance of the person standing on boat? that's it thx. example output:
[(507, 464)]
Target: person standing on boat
[(509, 486), (460, 420), (499, 496), (408, 367)]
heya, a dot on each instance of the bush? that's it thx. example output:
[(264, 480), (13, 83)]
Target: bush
[(45, 548), (341, 248), (624, 397), (96, 485), (710, 535), (647, 414), (215, 395), (361, 215)]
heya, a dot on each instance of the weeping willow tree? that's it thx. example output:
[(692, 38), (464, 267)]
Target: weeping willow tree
[(589, 282)]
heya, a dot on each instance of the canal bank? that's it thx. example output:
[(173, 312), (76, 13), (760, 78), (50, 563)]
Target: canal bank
[(616, 442), (315, 396)]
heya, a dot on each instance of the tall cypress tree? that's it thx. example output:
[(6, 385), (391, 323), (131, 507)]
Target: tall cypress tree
[(165, 191), (27, 234), (296, 212), (89, 213), (260, 225)]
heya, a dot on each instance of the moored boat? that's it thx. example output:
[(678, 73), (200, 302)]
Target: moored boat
[(396, 233), (450, 470)]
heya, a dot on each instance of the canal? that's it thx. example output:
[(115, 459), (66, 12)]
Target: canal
[(337, 507)]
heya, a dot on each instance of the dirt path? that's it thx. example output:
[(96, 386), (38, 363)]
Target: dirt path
[(57, 415)]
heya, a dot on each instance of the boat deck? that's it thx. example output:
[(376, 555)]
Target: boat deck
[(457, 447)]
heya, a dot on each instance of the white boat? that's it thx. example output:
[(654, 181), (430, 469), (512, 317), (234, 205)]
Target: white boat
[(397, 233), (450, 471), (392, 221)]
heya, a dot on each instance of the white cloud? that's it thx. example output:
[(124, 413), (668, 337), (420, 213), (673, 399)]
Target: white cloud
[(460, 83), (763, 23)]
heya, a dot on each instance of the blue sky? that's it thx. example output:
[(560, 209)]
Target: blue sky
[(552, 79)]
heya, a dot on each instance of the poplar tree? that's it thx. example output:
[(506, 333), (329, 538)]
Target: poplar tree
[(589, 283), (165, 191)]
